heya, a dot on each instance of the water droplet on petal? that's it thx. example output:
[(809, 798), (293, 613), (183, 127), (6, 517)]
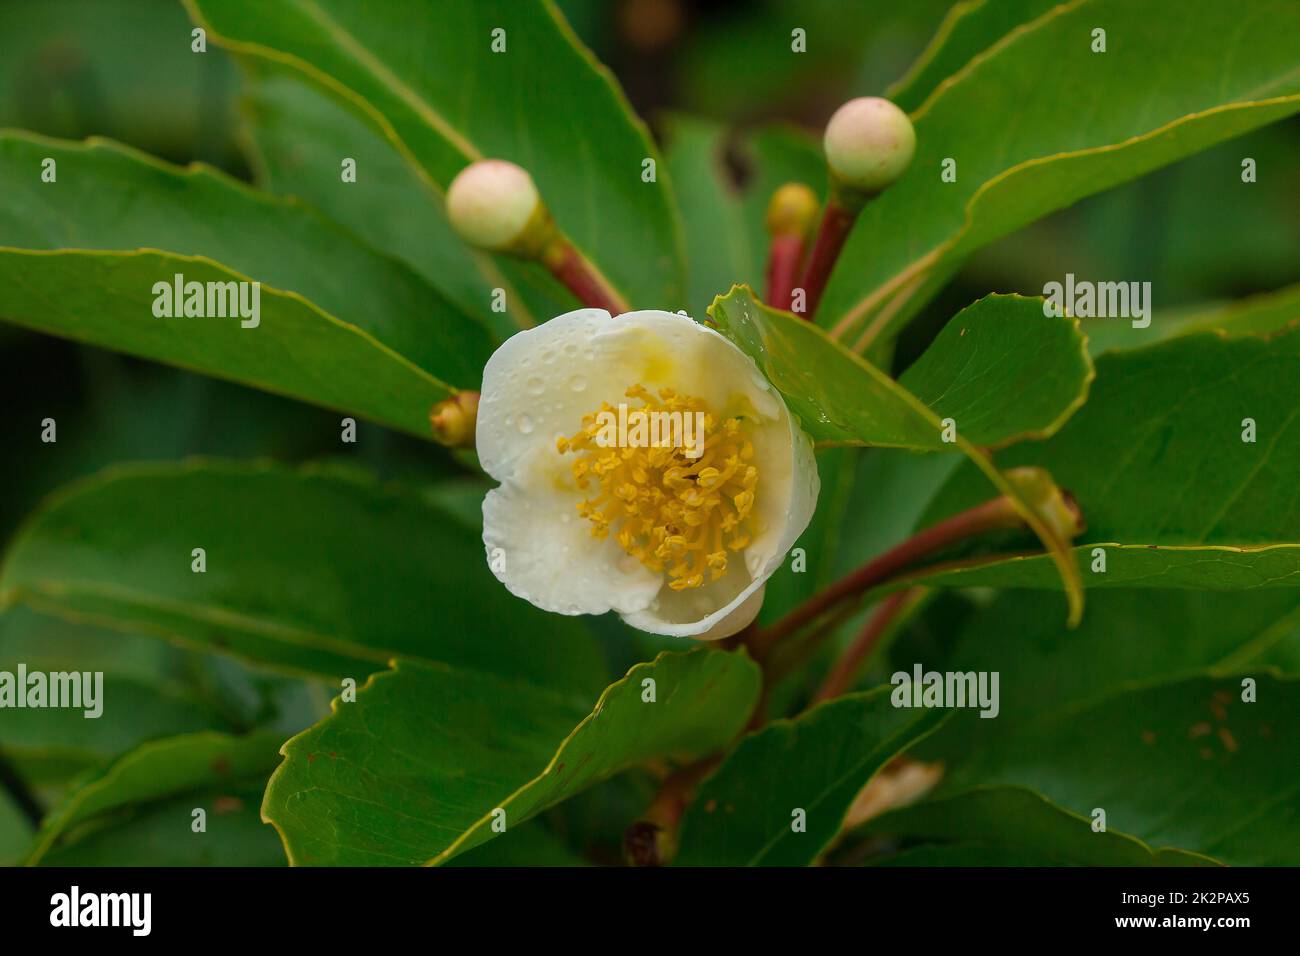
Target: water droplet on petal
[(578, 383), (536, 386), (525, 424)]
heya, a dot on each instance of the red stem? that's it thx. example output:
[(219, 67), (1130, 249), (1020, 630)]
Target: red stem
[(837, 223), (783, 270), (581, 278), (991, 515), (845, 672)]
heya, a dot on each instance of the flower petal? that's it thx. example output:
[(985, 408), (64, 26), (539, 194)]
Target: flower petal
[(540, 549)]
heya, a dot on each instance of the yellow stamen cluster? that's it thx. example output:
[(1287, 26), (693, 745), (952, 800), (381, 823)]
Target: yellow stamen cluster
[(673, 513)]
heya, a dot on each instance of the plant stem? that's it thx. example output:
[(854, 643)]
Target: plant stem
[(846, 670), (992, 515), (581, 278), (783, 261), (652, 840), (837, 223)]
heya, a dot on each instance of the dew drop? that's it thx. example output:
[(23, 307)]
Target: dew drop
[(578, 383), (536, 386), (525, 424)]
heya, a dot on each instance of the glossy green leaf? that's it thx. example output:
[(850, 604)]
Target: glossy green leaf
[(394, 779), (820, 542), (1181, 763), (160, 833), (1268, 312), (427, 76), (1003, 372), (339, 324), (1157, 463), (314, 571), (970, 28), (531, 844), (1126, 636), (1013, 826), (298, 132), (156, 771), (1001, 369), (745, 813), (1082, 123), (843, 398)]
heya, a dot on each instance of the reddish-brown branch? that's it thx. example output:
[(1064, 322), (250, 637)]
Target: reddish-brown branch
[(784, 259), (652, 840), (991, 515), (846, 670), (581, 278), (837, 223)]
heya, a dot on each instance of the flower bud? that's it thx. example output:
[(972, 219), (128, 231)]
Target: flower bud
[(1053, 504), (869, 142), (494, 204), (792, 211), (454, 420)]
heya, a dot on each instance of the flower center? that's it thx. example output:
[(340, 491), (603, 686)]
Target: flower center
[(676, 487)]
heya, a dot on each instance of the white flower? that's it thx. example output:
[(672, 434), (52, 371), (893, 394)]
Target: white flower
[(677, 542)]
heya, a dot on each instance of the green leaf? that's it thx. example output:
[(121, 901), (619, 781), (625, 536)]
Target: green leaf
[(743, 815), (298, 131), (970, 28), (820, 542), (1027, 141), (313, 571), (394, 778), (156, 771), (841, 397), (1127, 636), (1169, 490), (1267, 312), (339, 325), (1182, 763), (1001, 369), (1013, 826), (140, 697), (427, 77), (160, 833), (531, 844)]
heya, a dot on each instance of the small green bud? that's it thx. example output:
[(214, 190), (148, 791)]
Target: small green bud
[(494, 204), (869, 142), (792, 211), (454, 420)]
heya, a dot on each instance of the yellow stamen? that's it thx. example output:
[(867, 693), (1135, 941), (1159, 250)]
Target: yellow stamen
[(668, 510)]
